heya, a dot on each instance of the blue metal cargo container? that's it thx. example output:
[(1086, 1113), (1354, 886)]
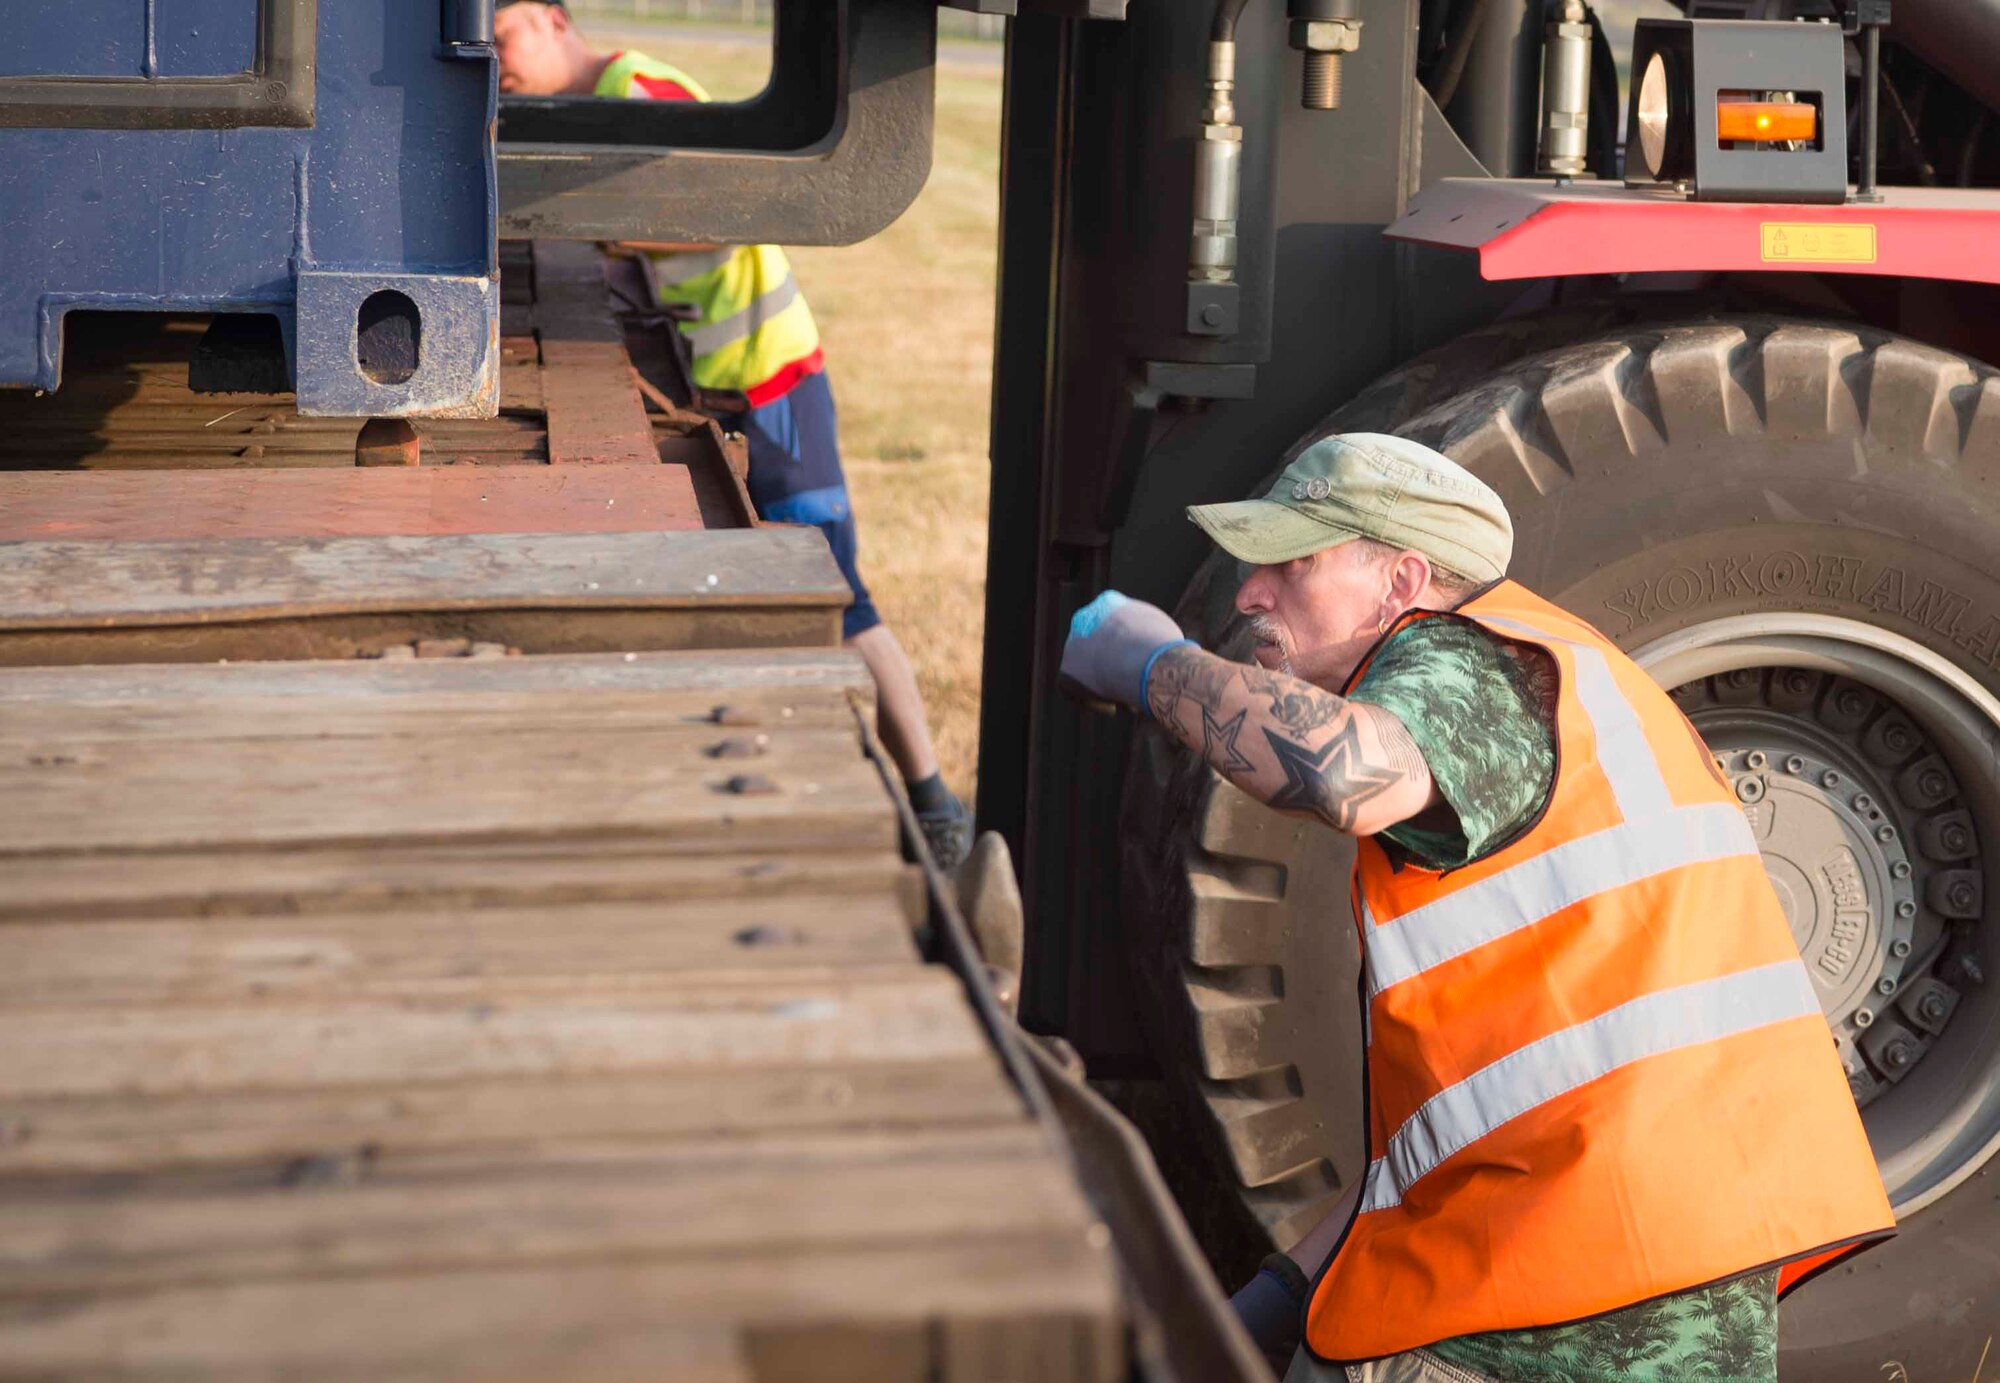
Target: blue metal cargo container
[(330, 164)]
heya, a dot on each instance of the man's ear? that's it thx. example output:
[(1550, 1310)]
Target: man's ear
[(1408, 578), (559, 20)]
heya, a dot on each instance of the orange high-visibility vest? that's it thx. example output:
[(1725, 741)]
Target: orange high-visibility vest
[(1597, 1071), (753, 333)]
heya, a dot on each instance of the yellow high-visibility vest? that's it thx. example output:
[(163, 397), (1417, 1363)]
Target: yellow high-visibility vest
[(754, 333)]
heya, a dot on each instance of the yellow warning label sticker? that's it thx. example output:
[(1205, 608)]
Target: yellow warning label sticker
[(1806, 242)]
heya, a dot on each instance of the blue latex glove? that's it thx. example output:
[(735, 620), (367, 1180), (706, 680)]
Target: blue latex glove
[(1112, 644)]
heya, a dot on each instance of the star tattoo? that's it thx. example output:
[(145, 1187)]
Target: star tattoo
[(1332, 783), (1222, 735)]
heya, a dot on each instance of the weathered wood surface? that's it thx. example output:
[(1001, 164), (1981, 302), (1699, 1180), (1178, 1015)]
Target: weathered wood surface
[(342, 503), (450, 1018), (69, 585), (278, 599)]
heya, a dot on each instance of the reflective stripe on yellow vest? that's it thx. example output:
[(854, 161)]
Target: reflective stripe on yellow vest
[(753, 333), (1597, 1069)]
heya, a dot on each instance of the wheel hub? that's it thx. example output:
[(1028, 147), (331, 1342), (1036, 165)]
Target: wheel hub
[(1844, 794)]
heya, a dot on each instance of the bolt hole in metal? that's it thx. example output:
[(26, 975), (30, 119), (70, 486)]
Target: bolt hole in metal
[(388, 337), (1867, 766)]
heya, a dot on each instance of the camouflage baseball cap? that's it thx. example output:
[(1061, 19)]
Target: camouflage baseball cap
[(1367, 485)]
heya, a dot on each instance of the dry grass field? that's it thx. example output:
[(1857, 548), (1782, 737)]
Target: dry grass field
[(907, 319)]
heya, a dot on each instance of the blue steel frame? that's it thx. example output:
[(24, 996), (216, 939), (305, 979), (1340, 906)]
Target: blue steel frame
[(380, 176)]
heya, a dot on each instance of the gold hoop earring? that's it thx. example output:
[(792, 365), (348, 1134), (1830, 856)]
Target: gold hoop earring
[(1382, 625)]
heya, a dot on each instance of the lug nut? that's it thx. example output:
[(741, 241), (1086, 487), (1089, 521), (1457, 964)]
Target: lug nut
[(1885, 986), (1899, 948), (1758, 758), (1863, 1017), (1885, 834), (1900, 869), (1862, 802), (1829, 779), (1795, 765), (1906, 909)]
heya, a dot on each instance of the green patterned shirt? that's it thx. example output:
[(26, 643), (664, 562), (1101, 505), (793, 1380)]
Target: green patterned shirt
[(1483, 713)]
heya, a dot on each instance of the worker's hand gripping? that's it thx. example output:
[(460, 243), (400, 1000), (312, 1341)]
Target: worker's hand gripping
[(1112, 644)]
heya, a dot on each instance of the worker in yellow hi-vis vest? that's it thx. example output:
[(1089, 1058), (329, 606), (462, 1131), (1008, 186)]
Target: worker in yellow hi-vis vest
[(752, 334)]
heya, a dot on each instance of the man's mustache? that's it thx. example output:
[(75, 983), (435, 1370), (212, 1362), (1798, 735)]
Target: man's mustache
[(1270, 632)]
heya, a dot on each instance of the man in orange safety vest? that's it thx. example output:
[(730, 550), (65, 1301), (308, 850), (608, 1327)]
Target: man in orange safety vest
[(1602, 1099)]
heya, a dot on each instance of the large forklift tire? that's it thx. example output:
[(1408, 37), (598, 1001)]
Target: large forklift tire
[(1797, 527)]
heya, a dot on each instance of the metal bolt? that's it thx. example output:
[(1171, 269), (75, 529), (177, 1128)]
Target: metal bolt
[(1322, 82), (1932, 1007), (740, 747), (1829, 779), (1900, 869), (1961, 896), (1758, 758), (1749, 790), (1899, 948), (1862, 802), (1885, 986), (1956, 838), (1931, 784), (1795, 765), (1211, 315), (1899, 1054), (1742, 677), (1851, 702), (1885, 834), (1906, 909), (1863, 1017)]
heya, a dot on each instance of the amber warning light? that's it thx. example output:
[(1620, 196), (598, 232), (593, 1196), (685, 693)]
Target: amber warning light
[(1765, 122)]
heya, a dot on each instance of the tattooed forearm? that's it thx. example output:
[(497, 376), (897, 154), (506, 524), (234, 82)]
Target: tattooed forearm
[(1298, 706), (1294, 745), (1186, 675), (1333, 781)]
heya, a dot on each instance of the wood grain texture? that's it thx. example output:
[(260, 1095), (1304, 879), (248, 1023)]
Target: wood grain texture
[(455, 1018), (72, 585), (336, 503), (90, 1135), (837, 1308)]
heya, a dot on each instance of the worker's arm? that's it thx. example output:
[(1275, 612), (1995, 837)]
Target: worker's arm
[(1290, 744), (1285, 742)]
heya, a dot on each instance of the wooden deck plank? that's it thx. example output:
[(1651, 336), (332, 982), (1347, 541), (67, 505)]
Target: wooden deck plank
[(729, 675), (782, 718), (127, 1134), (343, 503), (444, 874), (836, 1308), (695, 1202), (161, 795), (177, 1050), (82, 585), (574, 948)]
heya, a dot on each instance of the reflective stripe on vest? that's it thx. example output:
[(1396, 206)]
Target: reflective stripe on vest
[(1598, 1072), (754, 334), (1561, 1062)]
